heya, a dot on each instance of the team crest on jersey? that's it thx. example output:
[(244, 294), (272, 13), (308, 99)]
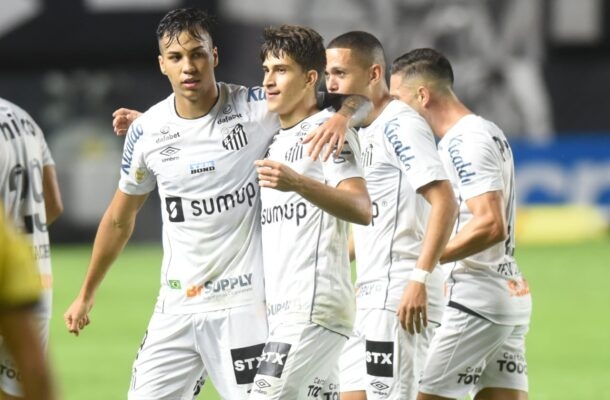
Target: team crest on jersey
[(236, 139), (294, 153)]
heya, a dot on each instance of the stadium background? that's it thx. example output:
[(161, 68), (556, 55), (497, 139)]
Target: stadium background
[(540, 68)]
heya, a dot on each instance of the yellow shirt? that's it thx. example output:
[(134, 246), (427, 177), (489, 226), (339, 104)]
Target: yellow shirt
[(19, 278)]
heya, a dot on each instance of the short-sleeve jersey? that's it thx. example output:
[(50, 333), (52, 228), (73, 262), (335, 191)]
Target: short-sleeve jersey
[(306, 261), (210, 201), (399, 156), (23, 155), (19, 279), (479, 160)]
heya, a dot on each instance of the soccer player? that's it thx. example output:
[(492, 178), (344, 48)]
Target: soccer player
[(32, 201), (198, 147), (306, 207), (399, 288), (20, 292), (480, 346)]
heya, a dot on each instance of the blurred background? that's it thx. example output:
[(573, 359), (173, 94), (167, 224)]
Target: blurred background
[(539, 68)]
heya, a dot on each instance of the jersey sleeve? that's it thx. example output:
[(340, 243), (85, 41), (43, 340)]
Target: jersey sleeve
[(474, 159), (20, 283), (346, 165), (412, 145), (136, 178)]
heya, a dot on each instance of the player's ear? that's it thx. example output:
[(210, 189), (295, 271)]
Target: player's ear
[(311, 77), (376, 73), (423, 95), (161, 65), (215, 56)]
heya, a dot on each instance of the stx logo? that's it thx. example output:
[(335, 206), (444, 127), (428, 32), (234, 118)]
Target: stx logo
[(236, 139), (380, 358), (273, 359), (221, 285), (246, 361)]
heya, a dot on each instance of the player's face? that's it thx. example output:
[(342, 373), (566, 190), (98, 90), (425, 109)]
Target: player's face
[(189, 65), (286, 85), (344, 73), (405, 90)]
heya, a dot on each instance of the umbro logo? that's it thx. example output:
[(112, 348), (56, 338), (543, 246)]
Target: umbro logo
[(262, 384), (379, 385), (169, 151)]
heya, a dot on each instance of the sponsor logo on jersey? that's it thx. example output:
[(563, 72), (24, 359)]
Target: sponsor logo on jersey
[(170, 154), (294, 153), (10, 125), (10, 372), (225, 202), (200, 167), (232, 284), (228, 118), (41, 251), (173, 206), (375, 211), (368, 289), (277, 214), (513, 363), (402, 151), (379, 386), (461, 166), (246, 361), (167, 137), (273, 359), (256, 93), (470, 376), (236, 139), (134, 134), (275, 308), (380, 358)]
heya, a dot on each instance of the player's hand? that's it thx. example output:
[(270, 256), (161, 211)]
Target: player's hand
[(331, 133), (122, 119), (413, 308), (77, 315), (275, 175)]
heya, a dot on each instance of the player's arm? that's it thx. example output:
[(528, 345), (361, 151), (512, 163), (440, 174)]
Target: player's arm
[(486, 228), (412, 310), (352, 110), (122, 119), (113, 232), (52, 197), (20, 334), (351, 247), (349, 200)]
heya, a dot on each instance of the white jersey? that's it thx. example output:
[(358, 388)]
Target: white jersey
[(306, 261), (210, 203), (478, 159), (23, 154), (399, 156)]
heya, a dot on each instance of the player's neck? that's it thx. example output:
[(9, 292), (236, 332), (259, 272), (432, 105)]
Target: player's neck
[(302, 110), (380, 100), (445, 114), (198, 105)]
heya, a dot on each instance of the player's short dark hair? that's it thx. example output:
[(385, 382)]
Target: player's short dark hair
[(304, 45), (367, 47), (196, 22), (424, 61)]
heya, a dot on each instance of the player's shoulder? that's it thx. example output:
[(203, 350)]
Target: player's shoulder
[(474, 128), (10, 109), (240, 94), (400, 113)]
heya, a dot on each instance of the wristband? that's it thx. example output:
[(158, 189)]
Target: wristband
[(419, 275)]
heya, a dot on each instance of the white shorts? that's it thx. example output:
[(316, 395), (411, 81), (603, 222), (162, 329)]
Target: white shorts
[(9, 373), (469, 354), (179, 352), (383, 359), (299, 362)]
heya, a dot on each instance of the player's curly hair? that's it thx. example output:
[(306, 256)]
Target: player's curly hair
[(196, 22), (304, 45)]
